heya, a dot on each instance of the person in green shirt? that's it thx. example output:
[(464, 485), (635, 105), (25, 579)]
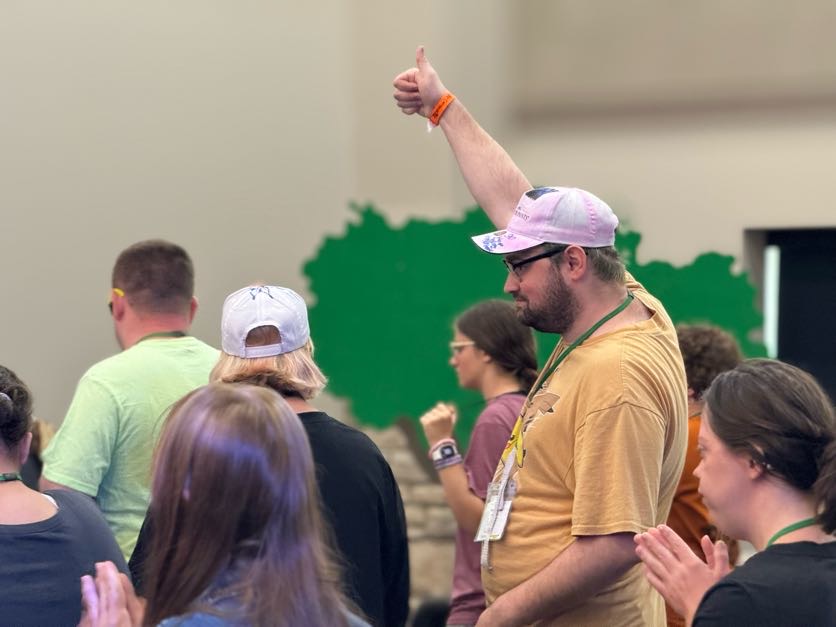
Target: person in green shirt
[(104, 446)]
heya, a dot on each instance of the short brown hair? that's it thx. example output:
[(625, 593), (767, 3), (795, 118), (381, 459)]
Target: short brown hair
[(707, 351), (156, 276), (605, 262)]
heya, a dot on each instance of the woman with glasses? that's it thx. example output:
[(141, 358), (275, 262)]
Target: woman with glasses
[(47, 541), (238, 536), (767, 475), (492, 353)]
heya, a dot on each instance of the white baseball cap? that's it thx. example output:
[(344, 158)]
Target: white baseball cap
[(554, 215), (264, 305)]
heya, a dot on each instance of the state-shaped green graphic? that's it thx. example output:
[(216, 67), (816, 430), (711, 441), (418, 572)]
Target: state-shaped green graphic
[(386, 299)]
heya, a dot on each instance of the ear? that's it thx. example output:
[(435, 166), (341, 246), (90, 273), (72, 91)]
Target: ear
[(692, 396), (576, 262), (120, 307), (192, 308), (754, 470)]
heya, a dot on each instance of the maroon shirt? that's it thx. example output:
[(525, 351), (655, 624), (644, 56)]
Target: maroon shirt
[(491, 433)]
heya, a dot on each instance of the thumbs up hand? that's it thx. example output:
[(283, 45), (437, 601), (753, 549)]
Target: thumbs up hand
[(418, 88)]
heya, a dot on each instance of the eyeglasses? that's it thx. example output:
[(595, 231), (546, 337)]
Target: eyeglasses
[(458, 347), (119, 293), (514, 266)]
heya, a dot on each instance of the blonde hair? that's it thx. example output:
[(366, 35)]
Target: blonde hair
[(290, 374)]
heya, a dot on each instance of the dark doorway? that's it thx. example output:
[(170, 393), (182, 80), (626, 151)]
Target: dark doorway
[(807, 301)]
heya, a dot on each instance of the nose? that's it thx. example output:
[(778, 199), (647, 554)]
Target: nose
[(512, 284), (698, 470), (452, 360)]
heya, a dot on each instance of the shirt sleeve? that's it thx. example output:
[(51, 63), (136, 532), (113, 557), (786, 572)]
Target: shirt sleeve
[(617, 468), (727, 604), (631, 283), (80, 453), (487, 441)]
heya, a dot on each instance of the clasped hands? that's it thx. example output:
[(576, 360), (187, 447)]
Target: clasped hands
[(679, 575), (109, 600)]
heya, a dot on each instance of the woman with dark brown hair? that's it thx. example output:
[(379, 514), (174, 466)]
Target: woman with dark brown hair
[(493, 353), (237, 530), (767, 475)]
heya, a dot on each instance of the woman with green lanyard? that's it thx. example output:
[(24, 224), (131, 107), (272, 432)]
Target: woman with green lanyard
[(767, 475)]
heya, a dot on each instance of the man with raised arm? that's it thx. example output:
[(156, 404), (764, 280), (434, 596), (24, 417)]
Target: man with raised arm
[(598, 450)]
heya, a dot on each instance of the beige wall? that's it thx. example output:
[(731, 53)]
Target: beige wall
[(651, 54), (696, 186), (241, 130), (214, 124)]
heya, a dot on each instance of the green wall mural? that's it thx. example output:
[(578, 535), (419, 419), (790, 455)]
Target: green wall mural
[(386, 299)]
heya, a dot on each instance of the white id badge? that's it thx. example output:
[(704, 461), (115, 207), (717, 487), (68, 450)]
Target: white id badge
[(490, 513), (501, 521)]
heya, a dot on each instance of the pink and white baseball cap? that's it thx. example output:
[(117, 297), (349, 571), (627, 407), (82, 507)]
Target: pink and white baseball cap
[(263, 305), (554, 215)]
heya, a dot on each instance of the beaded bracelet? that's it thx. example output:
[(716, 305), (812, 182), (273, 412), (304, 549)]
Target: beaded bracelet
[(447, 462)]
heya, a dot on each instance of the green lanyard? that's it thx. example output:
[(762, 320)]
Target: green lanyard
[(807, 522), (151, 336), (585, 336), (10, 476)]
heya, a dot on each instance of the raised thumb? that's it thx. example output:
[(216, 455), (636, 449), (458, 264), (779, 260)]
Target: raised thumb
[(421, 58)]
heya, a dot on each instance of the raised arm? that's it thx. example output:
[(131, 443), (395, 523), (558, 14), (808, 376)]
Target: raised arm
[(492, 177)]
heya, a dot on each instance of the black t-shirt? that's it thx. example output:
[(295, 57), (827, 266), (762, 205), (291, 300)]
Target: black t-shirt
[(786, 585), (363, 507), (41, 563)]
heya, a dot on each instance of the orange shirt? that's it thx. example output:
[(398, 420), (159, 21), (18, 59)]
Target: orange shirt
[(689, 516)]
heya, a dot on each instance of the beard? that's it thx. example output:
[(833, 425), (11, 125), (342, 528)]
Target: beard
[(558, 311)]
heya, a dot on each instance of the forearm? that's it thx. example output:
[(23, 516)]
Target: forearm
[(586, 567), (492, 177), (467, 507)]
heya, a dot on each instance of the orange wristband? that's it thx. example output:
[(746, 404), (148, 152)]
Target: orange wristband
[(440, 107)]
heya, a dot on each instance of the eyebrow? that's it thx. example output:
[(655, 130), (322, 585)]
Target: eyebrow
[(515, 256)]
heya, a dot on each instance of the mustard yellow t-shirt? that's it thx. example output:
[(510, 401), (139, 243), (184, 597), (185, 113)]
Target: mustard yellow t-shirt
[(604, 444)]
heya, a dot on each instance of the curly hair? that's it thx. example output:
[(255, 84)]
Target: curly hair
[(707, 351)]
